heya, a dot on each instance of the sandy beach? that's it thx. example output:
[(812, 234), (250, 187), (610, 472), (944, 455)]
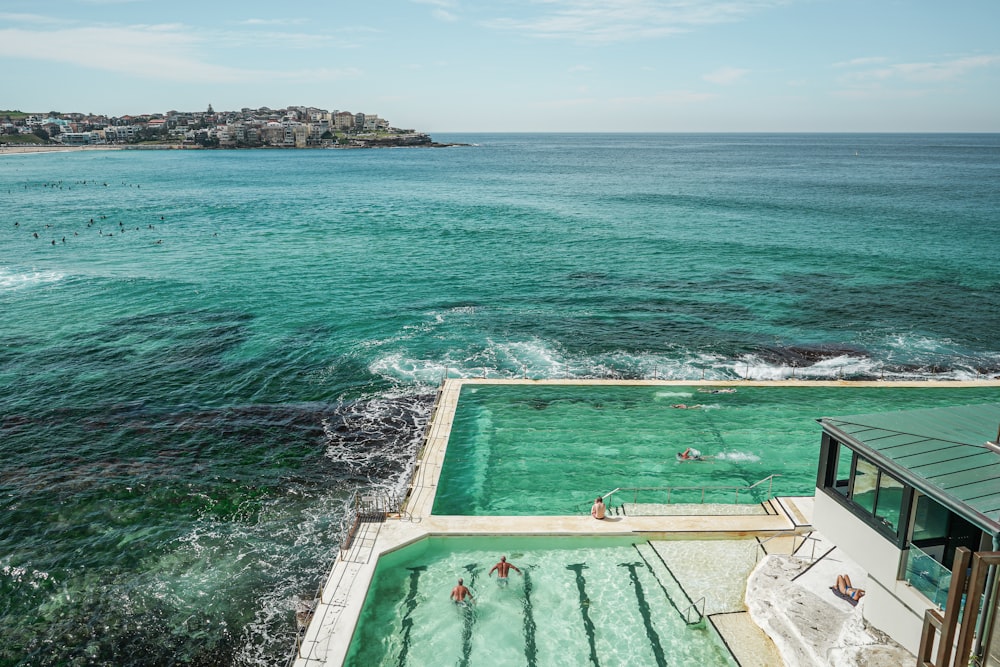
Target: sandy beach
[(30, 149)]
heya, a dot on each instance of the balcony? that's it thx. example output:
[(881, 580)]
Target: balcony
[(929, 577)]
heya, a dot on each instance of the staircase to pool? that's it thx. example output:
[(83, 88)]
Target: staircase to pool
[(691, 612)]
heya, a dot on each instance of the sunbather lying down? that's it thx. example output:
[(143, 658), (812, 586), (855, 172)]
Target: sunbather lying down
[(845, 590)]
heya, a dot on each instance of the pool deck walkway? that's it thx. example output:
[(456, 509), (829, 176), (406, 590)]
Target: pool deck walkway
[(326, 640)]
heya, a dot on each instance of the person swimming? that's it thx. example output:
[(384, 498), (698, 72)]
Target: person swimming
[(459, 594), (692, 454), (502, 569)]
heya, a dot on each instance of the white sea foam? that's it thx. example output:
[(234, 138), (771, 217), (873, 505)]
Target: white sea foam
[(24, 575), (380, 435), (672, 394), (12, 280), (537, 359), (738, 457)]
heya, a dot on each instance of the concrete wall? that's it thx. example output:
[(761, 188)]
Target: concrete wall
[(891, 605)]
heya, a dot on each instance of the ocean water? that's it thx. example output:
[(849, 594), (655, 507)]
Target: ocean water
[(192, 384)]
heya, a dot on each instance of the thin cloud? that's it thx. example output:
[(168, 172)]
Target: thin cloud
[(670, 97), (152, 52), (443, 9), (881, 94), (923, 72), (945, 71), (862, 62), (29, 18), (280, 39), (566, 103), (611, 21), (272, 22), (726, 75)]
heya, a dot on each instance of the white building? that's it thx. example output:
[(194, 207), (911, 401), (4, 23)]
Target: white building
[(913, 497)]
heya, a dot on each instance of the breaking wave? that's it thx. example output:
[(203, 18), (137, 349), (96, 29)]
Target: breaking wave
[(11, 280)]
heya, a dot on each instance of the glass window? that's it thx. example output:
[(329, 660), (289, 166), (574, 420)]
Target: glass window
[(930, 521), (865, 485), (842, 474), (889, 500)]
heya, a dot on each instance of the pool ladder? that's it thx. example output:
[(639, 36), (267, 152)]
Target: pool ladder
[(694, 613)]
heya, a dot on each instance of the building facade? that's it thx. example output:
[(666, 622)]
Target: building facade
[(902, 494)]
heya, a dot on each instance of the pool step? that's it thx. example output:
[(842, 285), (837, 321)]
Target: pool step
[(688, 610)]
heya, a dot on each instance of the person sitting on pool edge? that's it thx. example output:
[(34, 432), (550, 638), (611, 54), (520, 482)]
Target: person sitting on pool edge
[(460, 592), (597, 511), (502, 569), (847, 591)]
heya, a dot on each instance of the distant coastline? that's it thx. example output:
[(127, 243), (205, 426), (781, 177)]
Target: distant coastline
[(55, 148), (291, 127)]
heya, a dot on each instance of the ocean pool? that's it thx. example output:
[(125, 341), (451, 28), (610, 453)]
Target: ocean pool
[(520, 450), (580, 601)]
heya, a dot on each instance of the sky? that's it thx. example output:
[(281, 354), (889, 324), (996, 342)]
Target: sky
[(520, 65)]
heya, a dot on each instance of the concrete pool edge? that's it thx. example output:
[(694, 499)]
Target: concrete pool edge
[(328, 636)]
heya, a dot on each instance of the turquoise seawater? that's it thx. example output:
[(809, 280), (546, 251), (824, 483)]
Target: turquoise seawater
[(192, 384)]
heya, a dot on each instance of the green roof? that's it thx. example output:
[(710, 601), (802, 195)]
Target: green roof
[(940, 451)]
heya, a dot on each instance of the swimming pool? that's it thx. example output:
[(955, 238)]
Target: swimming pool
[(580, 601), (521, 450)]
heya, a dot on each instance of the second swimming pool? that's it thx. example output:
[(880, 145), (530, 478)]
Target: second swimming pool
[(549, 450), (578, 602)]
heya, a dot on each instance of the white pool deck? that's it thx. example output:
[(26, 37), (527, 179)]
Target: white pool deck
[(786, 595)]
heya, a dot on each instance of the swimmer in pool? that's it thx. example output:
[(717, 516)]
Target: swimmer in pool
[(683, 406), (502, 569), (459, 594)]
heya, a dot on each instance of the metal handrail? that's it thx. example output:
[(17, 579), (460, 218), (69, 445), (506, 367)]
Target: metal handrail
[(793, 535), (694, 606), (671, 489), (609, 494)]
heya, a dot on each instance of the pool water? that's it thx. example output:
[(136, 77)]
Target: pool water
[(522, 450), (580, 601)]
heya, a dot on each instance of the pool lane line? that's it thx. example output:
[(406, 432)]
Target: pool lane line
[(530, 647), (469, 618), (588, 625), (647, 617), (715, 430), (410, 604)]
